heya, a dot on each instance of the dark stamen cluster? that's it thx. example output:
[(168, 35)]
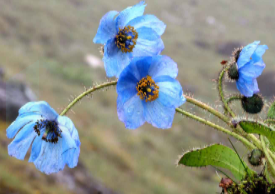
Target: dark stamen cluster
[(52, 131)]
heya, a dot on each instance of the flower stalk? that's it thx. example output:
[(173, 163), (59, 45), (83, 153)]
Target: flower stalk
[(267, 155), (217, 127), (220, 87), (87, 92)]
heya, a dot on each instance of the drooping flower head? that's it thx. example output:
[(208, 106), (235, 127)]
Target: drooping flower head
[(148, 92), (249, 65), (128, 34), (53, 139)]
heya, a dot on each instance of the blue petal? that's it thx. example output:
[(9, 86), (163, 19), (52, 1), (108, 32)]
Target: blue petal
[(41, 107), (126, 85), (131, 112), (247, 86), (149, 21), (49, 159), (149, 43), (70, 150), (70, 156), (36, 148), (67, 123), (21, 143), (246, 54), (163, 65), (130, 13), (252, 69), (170, 91), (141, 65), (107, 28), (19, 123), (114, 60), (138, 67), (257, 56), (159, 115)]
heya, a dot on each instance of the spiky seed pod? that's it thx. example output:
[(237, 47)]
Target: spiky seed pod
[(252, 105), (233, 73), (255, 157)]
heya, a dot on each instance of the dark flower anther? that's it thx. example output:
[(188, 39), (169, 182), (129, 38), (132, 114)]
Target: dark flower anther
[(52, 131)]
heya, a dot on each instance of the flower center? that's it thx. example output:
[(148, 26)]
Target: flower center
[(52, 131), (147, 89), (126, 39)]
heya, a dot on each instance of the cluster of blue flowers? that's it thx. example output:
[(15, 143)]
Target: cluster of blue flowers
[(147, 89)]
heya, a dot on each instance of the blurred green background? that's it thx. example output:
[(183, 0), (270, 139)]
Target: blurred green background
[(48, 46)]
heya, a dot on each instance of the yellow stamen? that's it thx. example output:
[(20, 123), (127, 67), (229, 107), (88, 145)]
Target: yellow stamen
[(121, 38), (147, 89)]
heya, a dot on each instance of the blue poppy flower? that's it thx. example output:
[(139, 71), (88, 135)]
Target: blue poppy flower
[(53, 139), (250, 65), (148, 92), (128, 34)]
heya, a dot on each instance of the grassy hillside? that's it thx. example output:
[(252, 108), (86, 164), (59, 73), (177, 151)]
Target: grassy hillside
[(44, 44)]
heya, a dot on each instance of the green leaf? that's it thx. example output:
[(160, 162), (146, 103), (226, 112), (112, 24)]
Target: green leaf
[(219, 156), (261, 129), (271, 112)]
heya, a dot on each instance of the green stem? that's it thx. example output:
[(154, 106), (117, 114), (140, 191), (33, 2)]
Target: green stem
[(238, 129), (266, 173), (207, 108), (87, 92), (233, 98), (269, 159), (220, 87), (217, 127), (270, 121)]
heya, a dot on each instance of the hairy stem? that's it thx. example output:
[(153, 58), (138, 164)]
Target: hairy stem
[(233, 98), (106, 84), (217, 127), (269, 159), (207, 108), (269, 121), (220, 87)]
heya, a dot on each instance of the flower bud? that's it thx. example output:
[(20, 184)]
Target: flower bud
[(255, 157), (252, 105)]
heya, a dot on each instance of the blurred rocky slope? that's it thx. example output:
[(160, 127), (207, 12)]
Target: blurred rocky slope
[(13, 95)]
